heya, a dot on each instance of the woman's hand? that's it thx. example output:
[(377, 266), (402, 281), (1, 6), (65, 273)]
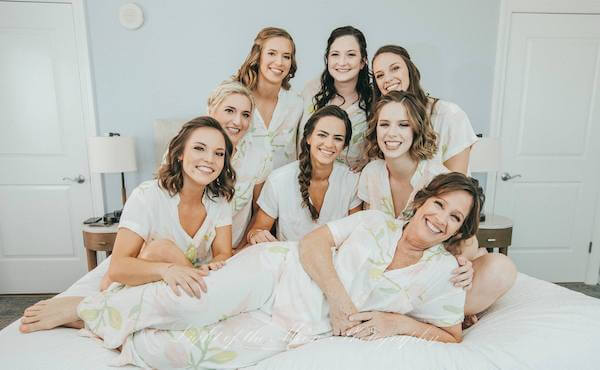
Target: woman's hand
[(212, 266), (188, 278), (374, 325), (260, 236), (339, 314), (462, 276)]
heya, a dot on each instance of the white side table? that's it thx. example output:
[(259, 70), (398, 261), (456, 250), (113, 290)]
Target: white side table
[(495, 232)]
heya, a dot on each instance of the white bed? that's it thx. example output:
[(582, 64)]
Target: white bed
[(536, 325)]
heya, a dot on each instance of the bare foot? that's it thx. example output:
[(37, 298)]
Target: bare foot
[(51, 313)]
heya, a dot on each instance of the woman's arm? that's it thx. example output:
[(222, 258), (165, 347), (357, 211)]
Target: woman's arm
[(221, 246), (355, 209), (376, 325), (255, 194), (127, 269), (260, 230), (459, 162), (315, 257)]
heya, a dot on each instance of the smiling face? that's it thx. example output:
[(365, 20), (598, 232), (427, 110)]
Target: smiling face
[(275, 59), (390, 73), (234, 114), (344, 60), (203, 156), (327, 140), (440, 217), (394, 131)]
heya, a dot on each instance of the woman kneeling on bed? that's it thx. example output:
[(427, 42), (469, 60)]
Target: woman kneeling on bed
[(343, 278)]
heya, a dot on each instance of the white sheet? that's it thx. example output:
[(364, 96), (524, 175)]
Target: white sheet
[(537, 325)]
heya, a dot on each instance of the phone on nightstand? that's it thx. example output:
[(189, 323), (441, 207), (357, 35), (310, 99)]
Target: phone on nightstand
[(92, 220)]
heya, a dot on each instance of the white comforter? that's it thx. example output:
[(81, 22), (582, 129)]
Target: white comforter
[(537, 325)]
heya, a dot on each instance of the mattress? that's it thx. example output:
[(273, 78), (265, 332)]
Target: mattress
[(536, 325)]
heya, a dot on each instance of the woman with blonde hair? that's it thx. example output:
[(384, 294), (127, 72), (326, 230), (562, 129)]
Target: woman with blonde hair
[(402, 143), (267, 72), (393, 70), (232, 104)]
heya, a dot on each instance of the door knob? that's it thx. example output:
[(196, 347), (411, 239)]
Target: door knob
[(505, 176), (79, 179)]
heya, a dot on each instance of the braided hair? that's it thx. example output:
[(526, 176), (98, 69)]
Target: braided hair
[(305, 163)]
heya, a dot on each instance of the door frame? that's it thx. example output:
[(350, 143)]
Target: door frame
[(86, 89), (507, 9)]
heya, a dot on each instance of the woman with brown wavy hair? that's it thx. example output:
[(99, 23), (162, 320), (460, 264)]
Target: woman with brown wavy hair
[(393, 70), (178, 226), (267, 72), (403, 143), (314, 190)]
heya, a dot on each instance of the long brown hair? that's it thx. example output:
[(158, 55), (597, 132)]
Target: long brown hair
[(305, 164), (363, 85), (414, 76), (424, 145), (170, 173), (446, 183), (248, 72)]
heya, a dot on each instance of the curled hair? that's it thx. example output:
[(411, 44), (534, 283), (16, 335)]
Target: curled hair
[(226, 88), (424, 145), (305, 164), (363, 85), (446, 183), (170, 173), (248, 72), (414, 76)]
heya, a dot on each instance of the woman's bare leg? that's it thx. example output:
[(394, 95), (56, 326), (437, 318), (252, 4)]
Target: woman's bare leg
[(156, 251), (494, 275), (51, 313)]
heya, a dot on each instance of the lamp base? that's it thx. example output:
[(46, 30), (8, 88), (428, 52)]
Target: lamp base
[(112, 217)]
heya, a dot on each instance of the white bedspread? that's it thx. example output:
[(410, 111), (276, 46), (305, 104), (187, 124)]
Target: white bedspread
[(537, 325)]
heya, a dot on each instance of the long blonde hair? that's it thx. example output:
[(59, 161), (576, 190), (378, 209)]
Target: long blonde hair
[(248, 72)]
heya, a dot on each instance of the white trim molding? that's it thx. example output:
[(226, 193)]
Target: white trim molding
[(507, 9), (87, 95)]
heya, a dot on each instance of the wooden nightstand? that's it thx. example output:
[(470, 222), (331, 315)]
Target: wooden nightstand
[(98, 238), (495, 232)]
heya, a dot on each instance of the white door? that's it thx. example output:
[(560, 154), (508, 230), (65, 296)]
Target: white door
[(42, 141), (550, 131)]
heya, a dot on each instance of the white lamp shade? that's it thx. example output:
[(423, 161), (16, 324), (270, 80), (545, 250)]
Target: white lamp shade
[(485, 155), (111, 154)]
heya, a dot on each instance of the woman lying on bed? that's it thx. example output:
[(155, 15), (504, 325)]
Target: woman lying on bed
[(277, 295), (402, 144)]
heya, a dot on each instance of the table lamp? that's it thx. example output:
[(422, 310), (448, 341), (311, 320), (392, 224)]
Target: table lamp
[(485, 157), (112, 154)]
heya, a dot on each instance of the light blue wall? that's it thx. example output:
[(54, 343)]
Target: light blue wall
[(166, 68)]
